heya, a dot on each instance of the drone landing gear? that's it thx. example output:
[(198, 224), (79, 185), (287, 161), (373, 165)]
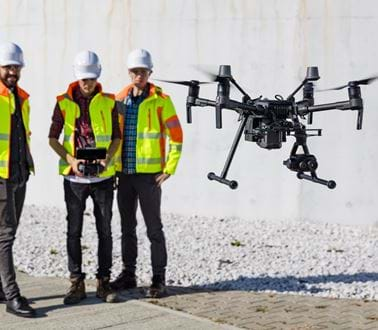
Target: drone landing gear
[(330, 184), (305, 162), (222, 178)]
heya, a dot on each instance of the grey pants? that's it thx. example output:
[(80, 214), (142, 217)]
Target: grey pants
[(12, 196), (132, 187)]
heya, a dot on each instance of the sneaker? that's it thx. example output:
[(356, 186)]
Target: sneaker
[(157, 288), (124, 281), (76, 292), (105, 292)]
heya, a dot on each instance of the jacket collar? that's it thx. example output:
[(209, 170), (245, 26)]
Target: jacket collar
[(125, 92), (4, 90), (75, 84)]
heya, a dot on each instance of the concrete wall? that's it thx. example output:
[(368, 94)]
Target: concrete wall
[(269, 45)]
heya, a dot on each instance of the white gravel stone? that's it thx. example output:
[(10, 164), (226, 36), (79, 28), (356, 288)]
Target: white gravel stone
[(325, 260)]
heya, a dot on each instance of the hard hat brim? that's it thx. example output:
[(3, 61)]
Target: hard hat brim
[(140, 66), (86, 75), (10, 62)]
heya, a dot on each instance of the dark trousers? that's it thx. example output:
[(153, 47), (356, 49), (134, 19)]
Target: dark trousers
[(12, 196), (76, 195), (132, 187)]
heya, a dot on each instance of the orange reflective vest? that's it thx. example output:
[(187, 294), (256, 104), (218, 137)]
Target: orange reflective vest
[(7, 108), (157, 119)]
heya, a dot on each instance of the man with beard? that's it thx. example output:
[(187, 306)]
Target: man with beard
[(15, 165)]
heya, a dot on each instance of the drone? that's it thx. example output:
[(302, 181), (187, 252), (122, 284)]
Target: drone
[(268, 122)]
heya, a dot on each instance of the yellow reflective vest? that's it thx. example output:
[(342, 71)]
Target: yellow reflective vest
[(100, 114), (7, 108), (157, 119)]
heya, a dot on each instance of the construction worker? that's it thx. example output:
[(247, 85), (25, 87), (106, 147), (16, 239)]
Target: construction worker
[(89, 119), (15, 166), (146, 117)]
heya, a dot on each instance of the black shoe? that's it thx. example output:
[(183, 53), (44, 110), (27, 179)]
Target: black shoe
[(124, 281), (3, 300), (157, 288), (19, 306)]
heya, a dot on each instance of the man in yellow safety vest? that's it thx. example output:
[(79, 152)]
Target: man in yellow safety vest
[(147, 116), (15, 165), (89, 119)]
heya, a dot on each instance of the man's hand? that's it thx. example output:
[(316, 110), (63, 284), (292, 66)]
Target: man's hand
[(75, 166), (104, 162), (160, 178)]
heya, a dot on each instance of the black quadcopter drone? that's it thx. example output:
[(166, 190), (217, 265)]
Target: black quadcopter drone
[(269, 122)]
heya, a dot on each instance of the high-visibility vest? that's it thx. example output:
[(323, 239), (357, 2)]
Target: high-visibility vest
[(7, 108), (157, 119), (100, 114)]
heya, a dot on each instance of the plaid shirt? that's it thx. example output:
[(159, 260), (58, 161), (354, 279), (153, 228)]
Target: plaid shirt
[(130, 131)]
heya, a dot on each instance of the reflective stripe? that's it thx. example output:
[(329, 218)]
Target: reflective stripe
[(4, 163), (150, 135), (103, 138), (172, 124), (67, 138), (176, 147), (149, 160), (4, 136)]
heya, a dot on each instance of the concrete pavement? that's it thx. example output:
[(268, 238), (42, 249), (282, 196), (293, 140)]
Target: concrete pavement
[(187, 308), (46, 295)]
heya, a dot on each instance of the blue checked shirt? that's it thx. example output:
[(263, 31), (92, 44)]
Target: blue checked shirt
[(130, 131)]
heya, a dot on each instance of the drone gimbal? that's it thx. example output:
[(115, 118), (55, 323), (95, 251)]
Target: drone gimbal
[(269, 122)]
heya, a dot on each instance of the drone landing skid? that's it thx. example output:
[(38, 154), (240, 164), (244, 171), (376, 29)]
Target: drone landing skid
[(222, 178), (231, 183), (330, 184)]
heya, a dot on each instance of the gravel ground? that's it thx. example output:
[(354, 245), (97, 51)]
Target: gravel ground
[(326, 260)]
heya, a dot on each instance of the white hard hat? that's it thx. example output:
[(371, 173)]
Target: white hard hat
[(139, 58), (87, 65), (11, 54)]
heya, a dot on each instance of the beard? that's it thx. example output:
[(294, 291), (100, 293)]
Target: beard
[(10, 80)]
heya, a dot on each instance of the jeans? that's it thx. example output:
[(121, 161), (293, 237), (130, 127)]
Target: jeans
[(12, 196), (132, 187), (76, 195)]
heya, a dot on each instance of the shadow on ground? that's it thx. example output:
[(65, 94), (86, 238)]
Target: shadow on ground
[(287, 283)]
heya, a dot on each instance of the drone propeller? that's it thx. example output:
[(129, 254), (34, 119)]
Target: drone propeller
[(209, 71), (185, 82), (366, 81)]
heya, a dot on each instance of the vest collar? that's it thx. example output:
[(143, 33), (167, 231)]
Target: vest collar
[(75, 84), (125, 92), (4, 90)]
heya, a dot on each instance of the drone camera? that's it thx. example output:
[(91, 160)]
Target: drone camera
[(301, 163)]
